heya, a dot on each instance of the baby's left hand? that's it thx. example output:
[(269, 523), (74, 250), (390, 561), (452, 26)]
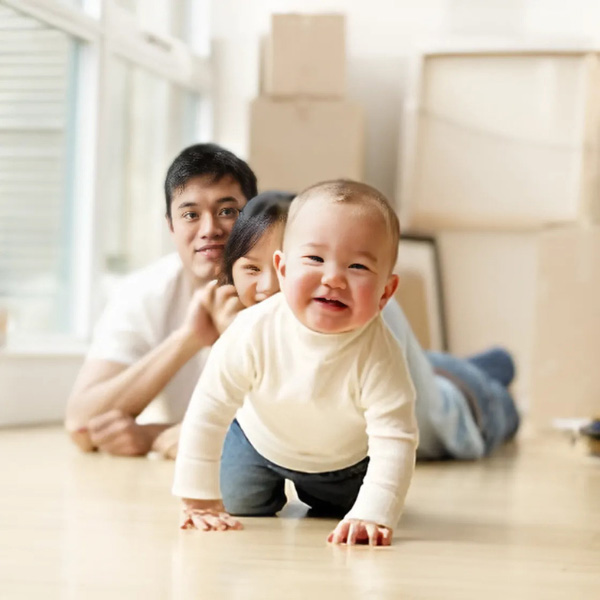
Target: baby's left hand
[(355, 531), (207, 515)]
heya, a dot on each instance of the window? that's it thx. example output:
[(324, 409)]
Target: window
[(145, 138), (92, 111), (185, 20), (38, 78)]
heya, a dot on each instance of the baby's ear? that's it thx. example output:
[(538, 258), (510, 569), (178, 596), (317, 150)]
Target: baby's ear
[(279, 263), (390, 289)]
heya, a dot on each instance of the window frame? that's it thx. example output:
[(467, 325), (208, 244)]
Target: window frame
[(104, 31)]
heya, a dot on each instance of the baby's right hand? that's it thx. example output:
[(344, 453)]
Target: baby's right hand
[(207, 515)]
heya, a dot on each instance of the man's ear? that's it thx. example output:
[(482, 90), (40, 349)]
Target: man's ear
[(169, 223), (279, 264), (390, 289)]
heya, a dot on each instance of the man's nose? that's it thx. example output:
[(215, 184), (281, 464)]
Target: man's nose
[(209, 226), (333, 277)]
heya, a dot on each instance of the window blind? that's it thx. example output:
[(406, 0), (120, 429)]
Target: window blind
[(35, 83)]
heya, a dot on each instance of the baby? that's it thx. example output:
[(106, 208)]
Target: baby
[(315, 384)]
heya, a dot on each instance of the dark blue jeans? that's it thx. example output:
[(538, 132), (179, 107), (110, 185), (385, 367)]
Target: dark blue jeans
[(254, 486)]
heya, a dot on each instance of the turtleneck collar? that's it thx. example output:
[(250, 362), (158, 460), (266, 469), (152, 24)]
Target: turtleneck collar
[(317, 339)]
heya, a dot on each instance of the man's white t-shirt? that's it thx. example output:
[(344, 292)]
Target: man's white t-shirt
[(147, 307)]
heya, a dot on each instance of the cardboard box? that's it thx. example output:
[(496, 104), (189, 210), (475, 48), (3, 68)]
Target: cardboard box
[(538, 294), (305, 55), (502, 141), (419, 290), (294, 144)]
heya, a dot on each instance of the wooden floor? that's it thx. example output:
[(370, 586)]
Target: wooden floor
[(524, 524)]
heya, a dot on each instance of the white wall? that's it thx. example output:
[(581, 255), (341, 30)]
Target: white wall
[(381, 37), (34, 387)]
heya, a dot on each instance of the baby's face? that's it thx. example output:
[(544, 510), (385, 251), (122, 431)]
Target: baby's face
[(254, 275), (335, 267)]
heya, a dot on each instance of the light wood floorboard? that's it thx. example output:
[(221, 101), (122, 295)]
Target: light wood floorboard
[(523, 524)]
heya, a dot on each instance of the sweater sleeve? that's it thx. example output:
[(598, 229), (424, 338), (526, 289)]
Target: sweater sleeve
[(225, 381), (388, 398)]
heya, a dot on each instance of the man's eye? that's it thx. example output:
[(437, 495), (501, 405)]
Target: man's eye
[(358, 266), (190, 216), (315, 258), (229, 212)]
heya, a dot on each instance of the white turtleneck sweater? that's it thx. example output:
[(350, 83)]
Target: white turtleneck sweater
[(307, 401)]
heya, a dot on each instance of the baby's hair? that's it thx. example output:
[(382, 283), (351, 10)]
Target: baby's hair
[(351, 192), (257, 217)]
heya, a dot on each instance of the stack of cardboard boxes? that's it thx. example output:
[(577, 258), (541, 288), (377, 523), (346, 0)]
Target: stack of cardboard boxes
[(302, 129), (501, 164)]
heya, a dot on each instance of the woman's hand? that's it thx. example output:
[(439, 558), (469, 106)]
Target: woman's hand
[(222, 303), (198, 323), (355, 531), (210, 312), (207, 515)]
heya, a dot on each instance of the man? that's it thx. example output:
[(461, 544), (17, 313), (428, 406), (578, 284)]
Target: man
[(154, 334)]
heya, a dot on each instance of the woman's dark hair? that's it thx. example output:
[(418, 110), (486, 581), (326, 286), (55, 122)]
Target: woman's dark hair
[(207, 160), (261, 213)]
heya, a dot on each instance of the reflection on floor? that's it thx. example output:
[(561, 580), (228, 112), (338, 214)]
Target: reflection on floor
[(523, 524)]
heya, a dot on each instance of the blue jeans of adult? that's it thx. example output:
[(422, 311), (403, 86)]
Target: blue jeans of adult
[(484, 378), (254, 486)]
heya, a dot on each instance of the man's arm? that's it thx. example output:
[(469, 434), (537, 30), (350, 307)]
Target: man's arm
[(117, 433), (104, 385), (107, 394)]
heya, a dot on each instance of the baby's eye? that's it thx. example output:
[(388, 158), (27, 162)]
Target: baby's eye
[(190, 215), (229, 211), (358, 266), (252, 268), (313, 258)]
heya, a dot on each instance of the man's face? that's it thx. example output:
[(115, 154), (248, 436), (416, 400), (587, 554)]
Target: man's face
[(202, 215), (335, 268)]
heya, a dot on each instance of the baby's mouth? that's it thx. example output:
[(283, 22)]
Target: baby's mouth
[(331, 303)]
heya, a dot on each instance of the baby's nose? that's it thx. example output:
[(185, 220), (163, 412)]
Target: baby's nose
[(334, 277)]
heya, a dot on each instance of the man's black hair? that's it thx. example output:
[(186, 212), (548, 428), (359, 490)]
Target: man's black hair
[(207, 160)]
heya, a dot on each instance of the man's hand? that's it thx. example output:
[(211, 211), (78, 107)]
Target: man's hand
[(222, 303), (355, 531), (117, 433), (81, 438), (167, 442), (207, 515)]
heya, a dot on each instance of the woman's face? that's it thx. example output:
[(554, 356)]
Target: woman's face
[(254, 275)]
